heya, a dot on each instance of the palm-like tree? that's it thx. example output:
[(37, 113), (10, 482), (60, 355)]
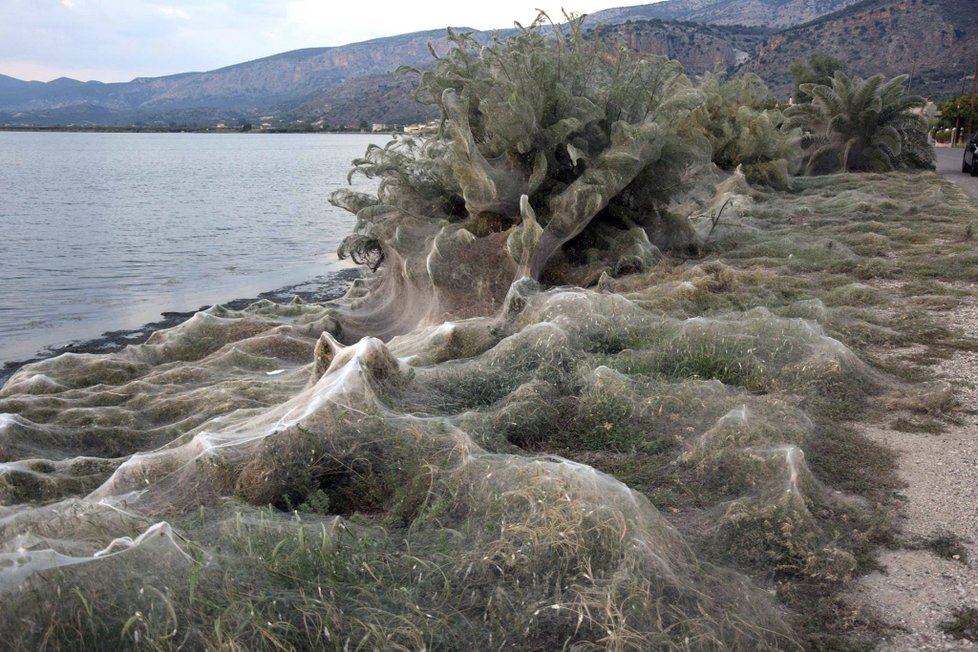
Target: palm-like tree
[(860, 124)]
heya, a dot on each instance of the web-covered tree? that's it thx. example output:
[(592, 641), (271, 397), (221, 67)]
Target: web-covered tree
[(861, 124), (745, 131), (819, 69), (557, 158)]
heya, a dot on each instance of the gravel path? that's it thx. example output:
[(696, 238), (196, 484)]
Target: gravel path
[(919, 589)]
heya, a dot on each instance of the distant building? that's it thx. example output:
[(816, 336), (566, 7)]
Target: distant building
[(422, 128), (379, 126)]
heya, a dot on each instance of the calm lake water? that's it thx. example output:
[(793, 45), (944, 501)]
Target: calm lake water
[(105, 231)]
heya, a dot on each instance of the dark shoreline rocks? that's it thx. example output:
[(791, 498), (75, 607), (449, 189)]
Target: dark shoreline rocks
[(322, 288)]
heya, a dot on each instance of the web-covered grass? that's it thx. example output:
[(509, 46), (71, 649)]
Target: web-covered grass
[(633, 465)]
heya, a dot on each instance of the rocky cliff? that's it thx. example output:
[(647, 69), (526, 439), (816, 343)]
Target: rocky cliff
[(762, 13), (936, 40), (700, 48)]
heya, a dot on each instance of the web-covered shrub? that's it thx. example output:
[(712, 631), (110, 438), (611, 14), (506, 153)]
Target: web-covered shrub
[(555, 153), (743, 132)]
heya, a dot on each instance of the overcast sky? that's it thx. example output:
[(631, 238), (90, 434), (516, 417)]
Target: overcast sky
[(116, 40)]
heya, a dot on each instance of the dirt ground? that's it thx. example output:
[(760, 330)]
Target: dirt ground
[(919, 590)]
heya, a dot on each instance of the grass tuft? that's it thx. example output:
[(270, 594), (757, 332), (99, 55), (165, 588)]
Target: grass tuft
[(963, 624)]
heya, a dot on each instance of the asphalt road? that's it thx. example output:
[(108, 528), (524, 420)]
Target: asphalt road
[(949, 166)]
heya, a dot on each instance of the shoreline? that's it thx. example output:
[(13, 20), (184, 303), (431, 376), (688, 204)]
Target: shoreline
[(95, 129), (325, 287)]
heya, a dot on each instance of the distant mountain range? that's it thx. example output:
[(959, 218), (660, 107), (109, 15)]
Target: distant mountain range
[(352, 83), (271, 85)]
